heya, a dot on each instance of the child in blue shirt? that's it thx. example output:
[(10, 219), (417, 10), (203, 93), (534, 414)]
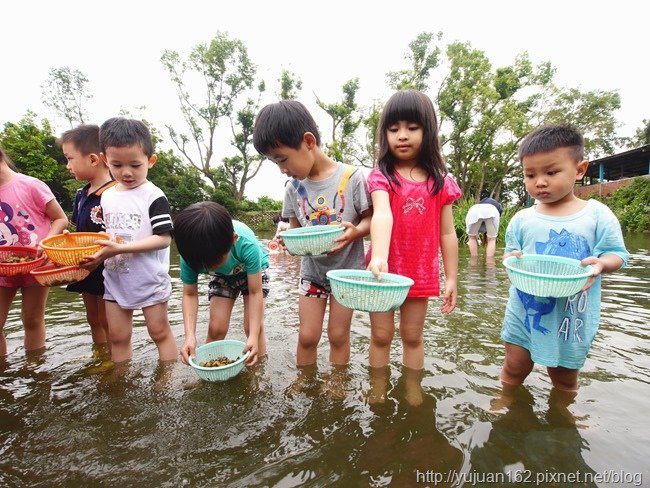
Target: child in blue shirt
[(557, 332), (211, 242)]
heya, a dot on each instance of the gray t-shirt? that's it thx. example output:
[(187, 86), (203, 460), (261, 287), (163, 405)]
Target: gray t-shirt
[(341, 197)]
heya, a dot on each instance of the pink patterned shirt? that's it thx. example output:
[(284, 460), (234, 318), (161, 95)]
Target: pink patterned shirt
[(415, 239), (23, 221)]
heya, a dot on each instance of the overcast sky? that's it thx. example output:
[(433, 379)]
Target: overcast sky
[(117, 44)]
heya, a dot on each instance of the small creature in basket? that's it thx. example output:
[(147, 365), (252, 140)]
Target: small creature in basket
[(219, 362), (17, 259)]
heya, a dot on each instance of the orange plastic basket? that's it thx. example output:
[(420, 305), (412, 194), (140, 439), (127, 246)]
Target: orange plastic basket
[(17, 269), (71, 249), (53, 275)]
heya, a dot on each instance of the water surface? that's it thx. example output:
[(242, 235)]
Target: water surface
[(67, 420)]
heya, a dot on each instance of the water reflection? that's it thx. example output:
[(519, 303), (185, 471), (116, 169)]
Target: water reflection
[(69, 417)]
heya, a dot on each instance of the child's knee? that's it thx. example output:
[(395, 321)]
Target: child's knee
[(308, 339), (382, 338), (33, 322), (564, 379), (338, 338)]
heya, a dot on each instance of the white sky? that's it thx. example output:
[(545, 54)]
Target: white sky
[(117, 44)]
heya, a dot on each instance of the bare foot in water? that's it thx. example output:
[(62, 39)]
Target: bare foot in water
[(413, 394), (379, 378)]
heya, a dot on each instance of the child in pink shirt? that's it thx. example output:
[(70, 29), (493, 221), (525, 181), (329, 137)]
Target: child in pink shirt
[(411, 195), (28, 213)]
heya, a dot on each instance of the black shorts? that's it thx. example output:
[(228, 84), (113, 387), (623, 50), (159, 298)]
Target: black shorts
[(93, 284)]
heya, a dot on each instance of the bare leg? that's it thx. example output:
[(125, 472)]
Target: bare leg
[(120, 329), (33, 315), (7, 296), (491, 247), (338, 332), (472, 242), (412, 314), (262, 335), (220, 312), (159, 330), (382, 330), (96, 316), (311, 312), (379, 378)]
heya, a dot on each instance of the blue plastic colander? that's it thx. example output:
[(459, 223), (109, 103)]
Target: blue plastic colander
[(360, 290)]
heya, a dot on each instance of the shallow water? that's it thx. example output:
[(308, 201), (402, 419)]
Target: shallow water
[(65, 420)]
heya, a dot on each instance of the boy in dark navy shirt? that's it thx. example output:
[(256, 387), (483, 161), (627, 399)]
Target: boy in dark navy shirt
[(81, 148)]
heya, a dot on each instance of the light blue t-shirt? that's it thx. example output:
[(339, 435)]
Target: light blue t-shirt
[(246, 256), (559, 331)]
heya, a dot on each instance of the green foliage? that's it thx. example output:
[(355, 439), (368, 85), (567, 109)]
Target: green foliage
[(34, 151), (290, 85), (345, 122), (631, 205), (183, 185), (222, 70), (423, 59)]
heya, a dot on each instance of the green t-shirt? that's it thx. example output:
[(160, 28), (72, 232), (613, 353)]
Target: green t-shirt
[(246, 256)]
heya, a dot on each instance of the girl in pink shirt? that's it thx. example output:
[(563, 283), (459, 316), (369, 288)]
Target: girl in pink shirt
[(28, 213), (412, 220)]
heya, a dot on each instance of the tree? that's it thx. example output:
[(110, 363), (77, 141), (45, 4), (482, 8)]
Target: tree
[(423, 59), (641, 136), (243, 167), (35, 152), (345, 122), (485, 112), (65, 93), (290, 85), (224, 71)]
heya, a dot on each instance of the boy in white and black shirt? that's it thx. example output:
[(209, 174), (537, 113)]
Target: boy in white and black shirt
[(137, 216)]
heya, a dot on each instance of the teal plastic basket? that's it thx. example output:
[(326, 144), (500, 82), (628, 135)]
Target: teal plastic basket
[(547, 276), (311, 240), (230, 348), (360, 290)]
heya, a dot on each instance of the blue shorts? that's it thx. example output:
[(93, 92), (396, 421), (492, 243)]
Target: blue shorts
[(233, 286), (566, 344)]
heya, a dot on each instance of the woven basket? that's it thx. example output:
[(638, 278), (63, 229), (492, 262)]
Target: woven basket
[(360, 290), (18, 269), (53, 275), (312, 240), (547, 276), (230, 348), (71, 249)]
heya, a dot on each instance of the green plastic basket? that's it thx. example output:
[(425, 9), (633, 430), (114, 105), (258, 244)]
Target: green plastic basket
[(360, 290), (230, 348), (311, 240), (547, 276)]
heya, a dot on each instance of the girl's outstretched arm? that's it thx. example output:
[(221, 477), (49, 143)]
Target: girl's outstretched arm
[(449, 248), (56, 214), (381, 228)]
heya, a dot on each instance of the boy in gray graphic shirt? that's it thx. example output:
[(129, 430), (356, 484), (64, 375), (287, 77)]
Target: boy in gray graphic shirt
[(321, 192)]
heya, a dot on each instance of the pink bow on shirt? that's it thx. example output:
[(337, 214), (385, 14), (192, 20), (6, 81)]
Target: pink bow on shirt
[(410, 204)]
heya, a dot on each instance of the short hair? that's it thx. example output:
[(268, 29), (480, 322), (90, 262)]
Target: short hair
[(283, 123), (203, 233), (84, 137), (551, 137), (122, 132)]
